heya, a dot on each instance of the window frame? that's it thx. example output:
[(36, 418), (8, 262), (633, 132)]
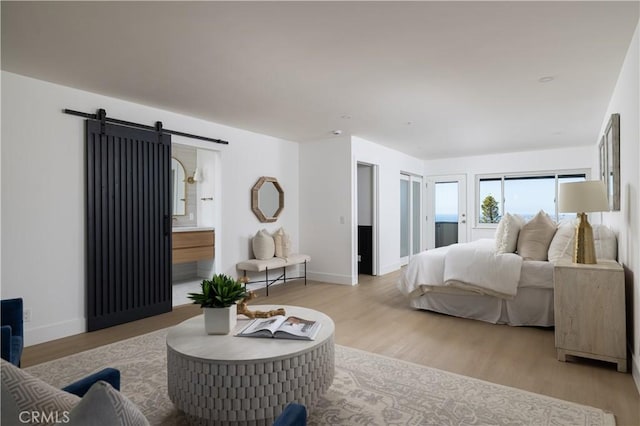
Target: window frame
[(519, 175)]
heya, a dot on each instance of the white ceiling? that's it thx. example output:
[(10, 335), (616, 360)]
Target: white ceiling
[(465, 75)]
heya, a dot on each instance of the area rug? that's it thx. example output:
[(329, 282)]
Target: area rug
[(368, 389)]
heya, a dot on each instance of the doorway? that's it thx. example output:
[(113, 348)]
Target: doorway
[(201, 212), (446, 210), (367, 253), (410, 216)]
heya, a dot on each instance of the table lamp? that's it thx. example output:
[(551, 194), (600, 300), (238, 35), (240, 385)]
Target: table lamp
[(580, 198)]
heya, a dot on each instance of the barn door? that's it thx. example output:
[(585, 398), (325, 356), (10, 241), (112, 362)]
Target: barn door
[(128, 224)]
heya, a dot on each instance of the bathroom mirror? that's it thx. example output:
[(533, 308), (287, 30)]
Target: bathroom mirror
[(178, 188), (267, 199)]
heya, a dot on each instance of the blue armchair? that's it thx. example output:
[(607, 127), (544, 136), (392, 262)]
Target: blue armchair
[(12, 331), (293, 414), (80, 387)]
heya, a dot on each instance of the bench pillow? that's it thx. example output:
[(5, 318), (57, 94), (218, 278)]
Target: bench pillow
[(263, 245), (282, 242)]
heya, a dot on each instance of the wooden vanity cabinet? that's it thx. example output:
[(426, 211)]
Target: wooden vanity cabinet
[(192, 246)]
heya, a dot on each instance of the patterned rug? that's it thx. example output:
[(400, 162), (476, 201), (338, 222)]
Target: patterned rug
[(368, 389)]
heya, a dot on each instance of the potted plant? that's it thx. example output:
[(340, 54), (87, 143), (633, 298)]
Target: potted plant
[(218, 300)]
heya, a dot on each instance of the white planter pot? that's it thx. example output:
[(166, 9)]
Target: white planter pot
[(220, 320)]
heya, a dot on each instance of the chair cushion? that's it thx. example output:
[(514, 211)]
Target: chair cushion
[(263, 245), (102, 405), (21, 392), (535, 237)]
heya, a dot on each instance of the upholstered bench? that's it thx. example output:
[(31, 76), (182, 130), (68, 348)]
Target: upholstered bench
[(266, 265)]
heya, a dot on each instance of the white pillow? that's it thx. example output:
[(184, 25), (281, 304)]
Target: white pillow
[(563, 242), (605, 242), (102, 405), (21, 392), (263, 245), (282, 243), (507, 233), (535, 237)]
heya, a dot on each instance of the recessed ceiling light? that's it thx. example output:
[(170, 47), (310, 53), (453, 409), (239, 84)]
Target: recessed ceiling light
[(336, 132), (546, 79), (409, 123), (346, 117)]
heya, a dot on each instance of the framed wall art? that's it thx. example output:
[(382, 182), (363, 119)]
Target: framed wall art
[(610, 161)]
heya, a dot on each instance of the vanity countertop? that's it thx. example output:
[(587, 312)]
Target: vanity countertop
[(192, 228)]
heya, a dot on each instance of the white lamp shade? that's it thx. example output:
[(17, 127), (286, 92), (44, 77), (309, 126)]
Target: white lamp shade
[(582, 197)]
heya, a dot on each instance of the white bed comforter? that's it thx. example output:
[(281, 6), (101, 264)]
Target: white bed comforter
[(470, 266)]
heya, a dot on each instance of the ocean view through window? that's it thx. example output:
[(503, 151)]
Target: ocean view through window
[(524, 194)]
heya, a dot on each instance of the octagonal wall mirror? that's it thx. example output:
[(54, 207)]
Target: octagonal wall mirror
[(267, 199)]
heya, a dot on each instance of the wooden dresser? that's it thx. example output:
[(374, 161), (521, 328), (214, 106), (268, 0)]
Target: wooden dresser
[(190, 246)]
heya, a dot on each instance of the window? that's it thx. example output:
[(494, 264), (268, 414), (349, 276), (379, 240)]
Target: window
[(524, 195)]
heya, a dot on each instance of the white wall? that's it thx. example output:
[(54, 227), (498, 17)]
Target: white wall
[(390, 163), (43, 219), (326, 219), (328, 205), (626, 222), (517, 162)]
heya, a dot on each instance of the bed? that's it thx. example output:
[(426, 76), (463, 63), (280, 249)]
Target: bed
[(484, 281)]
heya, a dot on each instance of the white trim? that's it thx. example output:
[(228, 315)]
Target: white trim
[(376, 220), (331, 278), (387, 269), (411, 179), (429, 210), (46, 333)]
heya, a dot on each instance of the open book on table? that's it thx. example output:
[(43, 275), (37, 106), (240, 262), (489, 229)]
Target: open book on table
[(281, 327)]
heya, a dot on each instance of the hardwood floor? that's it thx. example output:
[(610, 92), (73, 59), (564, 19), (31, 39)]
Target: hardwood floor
[(375, 317)]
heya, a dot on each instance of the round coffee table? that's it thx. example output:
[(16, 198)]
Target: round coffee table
[(229, 379)]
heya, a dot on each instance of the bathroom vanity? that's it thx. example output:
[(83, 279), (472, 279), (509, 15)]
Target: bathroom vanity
[(192, 243)]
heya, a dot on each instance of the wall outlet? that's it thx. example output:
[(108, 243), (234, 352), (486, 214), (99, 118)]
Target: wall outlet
[(26, 315), (359, 258), (190, 216)]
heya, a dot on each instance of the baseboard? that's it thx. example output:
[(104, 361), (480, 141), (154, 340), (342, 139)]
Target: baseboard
[(46, 333), (387, 269), (331, 278), (635, 370)]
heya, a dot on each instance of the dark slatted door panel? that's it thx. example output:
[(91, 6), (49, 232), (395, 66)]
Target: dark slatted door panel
[(128, 221)]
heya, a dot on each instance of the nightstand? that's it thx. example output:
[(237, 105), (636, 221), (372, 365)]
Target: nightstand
[(589, 307)]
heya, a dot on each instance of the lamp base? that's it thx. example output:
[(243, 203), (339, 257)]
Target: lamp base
[(584, 251)]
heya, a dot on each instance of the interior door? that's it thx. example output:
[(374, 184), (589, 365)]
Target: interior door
[(410, 216), (128, 183), (446, 210)]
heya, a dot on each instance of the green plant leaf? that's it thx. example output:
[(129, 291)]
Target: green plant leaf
[(219, 292)]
